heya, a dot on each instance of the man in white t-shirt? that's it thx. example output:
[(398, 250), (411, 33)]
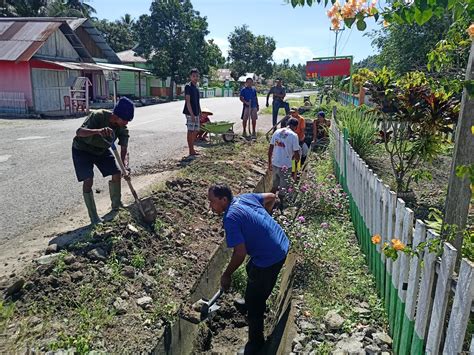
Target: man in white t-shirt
[(284, 147)]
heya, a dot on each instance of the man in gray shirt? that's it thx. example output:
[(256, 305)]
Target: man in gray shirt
[(279, 94)]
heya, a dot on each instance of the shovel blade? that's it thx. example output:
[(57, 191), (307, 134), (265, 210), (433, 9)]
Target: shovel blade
[(149, 210)]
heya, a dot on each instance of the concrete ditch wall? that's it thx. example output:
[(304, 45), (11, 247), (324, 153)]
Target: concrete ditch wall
[(179, 338)]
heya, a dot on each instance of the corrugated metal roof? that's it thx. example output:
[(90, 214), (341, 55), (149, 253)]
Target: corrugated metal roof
[(100, 42), (19, 41), (130, 56)]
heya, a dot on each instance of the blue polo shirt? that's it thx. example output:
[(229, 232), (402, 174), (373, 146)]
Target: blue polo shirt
[(247, 221), (250, 94)]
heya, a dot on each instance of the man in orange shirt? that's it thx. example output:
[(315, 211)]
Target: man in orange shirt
[(300, 131)]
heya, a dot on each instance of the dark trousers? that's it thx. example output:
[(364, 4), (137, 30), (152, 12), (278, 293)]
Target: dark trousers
[(260, 284), (277, 104)]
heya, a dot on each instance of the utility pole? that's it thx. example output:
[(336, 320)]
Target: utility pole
[(335, 30)]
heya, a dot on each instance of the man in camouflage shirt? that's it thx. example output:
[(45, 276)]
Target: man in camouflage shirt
[(90, 147)]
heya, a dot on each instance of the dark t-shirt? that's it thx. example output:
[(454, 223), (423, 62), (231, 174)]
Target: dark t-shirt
[(95, 144), (279, 90), (193, 92)]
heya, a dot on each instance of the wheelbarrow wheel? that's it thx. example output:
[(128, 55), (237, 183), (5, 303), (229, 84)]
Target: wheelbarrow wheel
[(228, 136)]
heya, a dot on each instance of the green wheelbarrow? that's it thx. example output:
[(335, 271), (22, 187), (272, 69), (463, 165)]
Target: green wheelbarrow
[(225, 128)]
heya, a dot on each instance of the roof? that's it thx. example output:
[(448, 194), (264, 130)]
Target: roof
[(94, 66), (21, 38), (130, 56), (224, 74), (100, 42), (253, 76), (19, 41)]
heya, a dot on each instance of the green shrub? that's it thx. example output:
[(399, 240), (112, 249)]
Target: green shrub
[(362, 128)]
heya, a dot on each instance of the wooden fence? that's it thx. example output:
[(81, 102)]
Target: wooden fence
[(423, 316)]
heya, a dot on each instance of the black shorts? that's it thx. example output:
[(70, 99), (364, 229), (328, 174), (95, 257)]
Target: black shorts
[(84, 164)]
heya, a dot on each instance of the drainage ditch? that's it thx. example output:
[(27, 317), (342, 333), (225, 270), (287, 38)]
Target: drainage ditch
[(226, 330)]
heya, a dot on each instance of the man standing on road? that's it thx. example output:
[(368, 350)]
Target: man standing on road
[(90, 148), (248, 96), (192, 109), (279, 94), (284, 147), (250, 230)]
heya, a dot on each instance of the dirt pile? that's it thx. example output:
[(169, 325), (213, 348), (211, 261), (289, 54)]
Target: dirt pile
[(118, 288)]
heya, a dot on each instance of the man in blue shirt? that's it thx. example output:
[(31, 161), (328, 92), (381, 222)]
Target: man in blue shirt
[(248, 96), (250, 230)]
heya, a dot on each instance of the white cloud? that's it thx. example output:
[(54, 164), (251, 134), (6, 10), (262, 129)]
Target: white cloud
[(294, 54), (223, 44)]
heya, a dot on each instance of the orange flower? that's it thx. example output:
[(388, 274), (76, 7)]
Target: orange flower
[(385, 23), (376, 239), (397, 244), (470, 30)]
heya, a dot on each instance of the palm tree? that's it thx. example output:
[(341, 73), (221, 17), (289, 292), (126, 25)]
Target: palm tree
[(58, 8), (127, 20), (80, 5)]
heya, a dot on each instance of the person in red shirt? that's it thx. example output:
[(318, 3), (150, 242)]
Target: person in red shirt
[(203, 119)]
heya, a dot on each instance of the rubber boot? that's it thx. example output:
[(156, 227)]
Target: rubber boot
[(91, 209), (115, 190), (256, 337)]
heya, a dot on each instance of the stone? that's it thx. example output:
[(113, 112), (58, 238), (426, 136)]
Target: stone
[(382, 338), (372, 349), (300, 339), (145, 301), (306, 326), (330, 336), (77, 276), (15, 287), (364, 305), (47, 259), (75, 266), (51, 249), (124, 294), (361, 310), (128, 271), (333, 320), (120, 305), (132, 228), (69, 259), (97, 254), (34, 321), (351, 346), (298, 348)]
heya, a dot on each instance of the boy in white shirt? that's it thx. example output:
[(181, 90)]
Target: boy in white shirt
[(284, 147)]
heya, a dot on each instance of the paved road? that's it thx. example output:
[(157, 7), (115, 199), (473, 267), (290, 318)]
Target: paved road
[(37, 181)]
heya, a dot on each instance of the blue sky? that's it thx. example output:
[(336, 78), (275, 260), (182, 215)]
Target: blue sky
[(300, 33)]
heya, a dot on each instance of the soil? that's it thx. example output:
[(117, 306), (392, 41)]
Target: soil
[(117, 287), (225, 332), (427, 193)]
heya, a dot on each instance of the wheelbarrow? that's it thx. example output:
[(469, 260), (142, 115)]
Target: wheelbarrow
[(225, 128)]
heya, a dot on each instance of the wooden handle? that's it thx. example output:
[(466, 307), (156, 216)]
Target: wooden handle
[(124, 172)]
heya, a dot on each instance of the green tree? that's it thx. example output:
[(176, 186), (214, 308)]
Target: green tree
[(22, 8), (118, 36), (172, 37), (250, 53), (404, 48), (213, 55)]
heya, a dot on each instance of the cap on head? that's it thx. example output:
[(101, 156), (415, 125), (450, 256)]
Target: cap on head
[(206, 110), (321, 114), (293, 122), (124, 109), (293, 110)]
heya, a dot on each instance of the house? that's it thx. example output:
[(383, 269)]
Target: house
[(256, 78), (137, 84), (223, 74), (41, 57)]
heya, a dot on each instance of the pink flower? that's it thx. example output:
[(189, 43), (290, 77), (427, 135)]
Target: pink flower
[(284, 168), (290, 190), (301, 219), (324, 225), (304, 188)]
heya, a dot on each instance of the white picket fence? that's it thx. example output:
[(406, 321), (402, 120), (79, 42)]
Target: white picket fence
[(417, 292)]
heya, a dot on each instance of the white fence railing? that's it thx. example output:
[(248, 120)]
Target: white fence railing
[(424, 316)]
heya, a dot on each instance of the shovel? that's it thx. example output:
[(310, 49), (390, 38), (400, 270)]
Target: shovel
[(146, 206), (209, 307)]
